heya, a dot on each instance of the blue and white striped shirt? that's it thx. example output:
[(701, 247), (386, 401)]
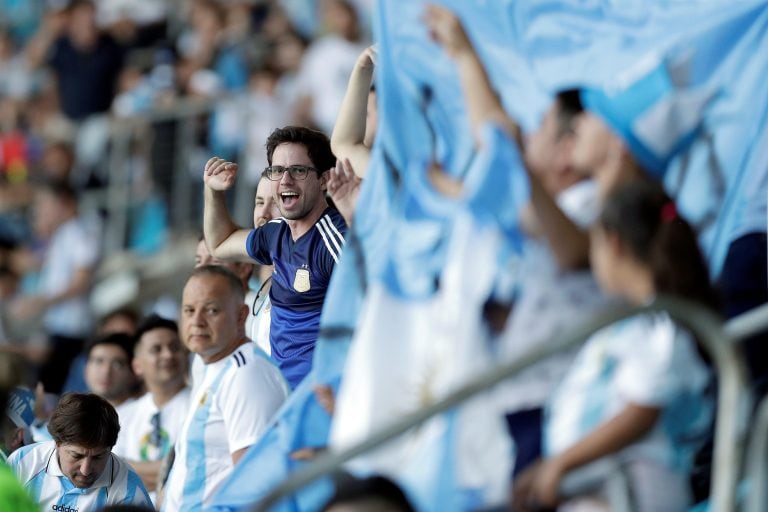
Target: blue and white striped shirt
[(37, 466)]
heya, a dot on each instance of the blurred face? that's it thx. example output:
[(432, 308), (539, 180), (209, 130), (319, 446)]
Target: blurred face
[(593, 142), (264, 208), (83, 466), (212, 317), (296, 199), (160, 358), (108, 372), (548, 151), (46, 213), (82, 25)]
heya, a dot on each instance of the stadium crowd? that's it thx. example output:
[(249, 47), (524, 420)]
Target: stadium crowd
[(161, 407)]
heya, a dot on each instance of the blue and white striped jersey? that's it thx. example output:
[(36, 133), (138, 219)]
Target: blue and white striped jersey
[(645, 360), (302, 272), (37, 466), (229, 411)]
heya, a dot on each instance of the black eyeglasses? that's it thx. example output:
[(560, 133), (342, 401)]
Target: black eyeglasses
[(156, 436), (297, 172)]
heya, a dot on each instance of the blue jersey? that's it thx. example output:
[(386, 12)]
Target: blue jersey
[(302, 272)]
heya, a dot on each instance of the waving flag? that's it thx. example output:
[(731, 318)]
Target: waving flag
[(645, 63)]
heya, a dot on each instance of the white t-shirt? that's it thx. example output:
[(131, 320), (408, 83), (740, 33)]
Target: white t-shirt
[(74, 246), (324, 74), (135, 441), (37, 467), (644, 360), (229, 410)]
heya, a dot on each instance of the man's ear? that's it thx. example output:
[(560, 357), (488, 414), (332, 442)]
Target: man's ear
[(242, 314), (323, 178)]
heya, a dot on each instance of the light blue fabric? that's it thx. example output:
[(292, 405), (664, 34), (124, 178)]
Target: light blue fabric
[(531, 49)]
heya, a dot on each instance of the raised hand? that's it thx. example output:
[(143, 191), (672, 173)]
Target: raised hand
[(344, 188), (446, 30), (219, 174), (367, 59)]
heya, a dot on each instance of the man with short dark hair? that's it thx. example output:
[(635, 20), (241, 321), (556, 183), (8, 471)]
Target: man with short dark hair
[(151, 423), (77, 470), (108, 371), (304, 244)]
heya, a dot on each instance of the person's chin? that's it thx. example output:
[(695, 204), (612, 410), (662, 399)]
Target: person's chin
[(83, 483)]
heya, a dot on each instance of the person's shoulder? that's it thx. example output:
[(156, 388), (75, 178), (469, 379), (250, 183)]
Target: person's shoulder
[(251, 364), (31, 456), (333, 217), (128, 482)]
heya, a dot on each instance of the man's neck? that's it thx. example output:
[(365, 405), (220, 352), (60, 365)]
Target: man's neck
[(299, 227), (161, 395)]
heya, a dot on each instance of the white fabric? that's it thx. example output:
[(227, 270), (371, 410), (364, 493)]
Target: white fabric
[(74, 246), (395, 367), (550, 303), (324, 74), (142, 12), (229, 410), (133, 442), (645, 360), (37, 467)]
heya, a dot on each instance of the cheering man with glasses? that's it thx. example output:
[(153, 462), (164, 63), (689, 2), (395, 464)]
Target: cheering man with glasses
[(303, 245)]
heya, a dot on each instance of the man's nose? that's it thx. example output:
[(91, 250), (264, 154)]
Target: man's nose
[(86, 466)]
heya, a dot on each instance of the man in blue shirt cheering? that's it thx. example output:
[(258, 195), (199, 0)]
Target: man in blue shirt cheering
[(303, 245)]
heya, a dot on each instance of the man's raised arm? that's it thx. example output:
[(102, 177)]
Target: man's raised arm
[(225, 239)]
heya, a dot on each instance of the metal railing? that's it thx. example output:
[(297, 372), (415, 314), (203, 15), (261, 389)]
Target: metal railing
[(707, 327)]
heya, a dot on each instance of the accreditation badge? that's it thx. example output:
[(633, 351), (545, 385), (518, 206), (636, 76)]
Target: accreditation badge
[(301, 281)]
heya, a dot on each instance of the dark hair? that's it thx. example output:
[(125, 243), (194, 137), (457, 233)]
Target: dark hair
[(59, 189), (121, 339), (126, 312), (84, 419), (317, 143), (644, 217), (215, 270), (153, 322), (372, 490), (568, 108)]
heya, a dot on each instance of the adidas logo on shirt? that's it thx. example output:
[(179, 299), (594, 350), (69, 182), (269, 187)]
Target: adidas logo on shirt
[(62, 508)]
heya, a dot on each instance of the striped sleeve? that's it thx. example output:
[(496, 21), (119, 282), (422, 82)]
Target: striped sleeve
[(333, 241)]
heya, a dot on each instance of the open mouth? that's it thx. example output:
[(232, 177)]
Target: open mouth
[(289, 199)]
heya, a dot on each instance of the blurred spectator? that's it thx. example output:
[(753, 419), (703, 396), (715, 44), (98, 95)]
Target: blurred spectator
[(86, 64), (150, 425), (123, 321), (328, 64), (16, 81), (133, 22), (108, 370), (12, 495), (372, 494), (19, 417), (69, 260)]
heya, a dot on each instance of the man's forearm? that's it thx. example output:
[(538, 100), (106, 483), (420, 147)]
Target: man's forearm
[(217, 223)]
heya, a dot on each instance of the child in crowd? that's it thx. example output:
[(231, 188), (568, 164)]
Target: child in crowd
[(638, 388)]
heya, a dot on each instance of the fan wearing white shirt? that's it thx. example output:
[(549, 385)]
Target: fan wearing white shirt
[(77, 470), (151, 424), (240, 391)]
